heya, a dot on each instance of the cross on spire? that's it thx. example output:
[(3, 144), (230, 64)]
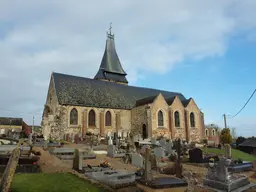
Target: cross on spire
[(110, 27), (109, 33)]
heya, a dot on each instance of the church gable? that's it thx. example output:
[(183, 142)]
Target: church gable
[(51, 100), (159, 111), (192, 105), (177, 104)]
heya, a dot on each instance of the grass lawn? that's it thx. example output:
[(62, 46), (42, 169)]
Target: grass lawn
[(235, 154), (54, 182)]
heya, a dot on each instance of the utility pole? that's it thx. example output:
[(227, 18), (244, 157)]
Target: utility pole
[(225, 121), (32, 131)]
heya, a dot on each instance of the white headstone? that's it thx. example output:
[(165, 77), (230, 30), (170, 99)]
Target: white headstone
[(111, 150), (159, 152), (162, 142), (137, 160), (110, 141), (153, 141), (169, 147)]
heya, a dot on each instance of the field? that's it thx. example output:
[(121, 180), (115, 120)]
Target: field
[(235, 154), (51, 182)]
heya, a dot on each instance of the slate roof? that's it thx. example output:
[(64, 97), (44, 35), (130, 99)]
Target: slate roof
[(251, 142), (11, 121), (110, 67), (80, 91)]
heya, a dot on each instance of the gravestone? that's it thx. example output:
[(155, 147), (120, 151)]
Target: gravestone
[(162, 142), (111, 150), (137, 160), (227, 151), (147, 170), (153, 141), (159, 152), (110, 141), (219, 179), (169, 147), (81, 157), (196, 155), (178, 166)]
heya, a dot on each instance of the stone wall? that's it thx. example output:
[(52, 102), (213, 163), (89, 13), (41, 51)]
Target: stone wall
[(180, 132), (139, 117), (194, 132), (51, 109), (120, 121), (160, 104)]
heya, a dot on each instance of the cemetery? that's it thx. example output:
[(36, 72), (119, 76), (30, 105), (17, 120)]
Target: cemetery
[(146, 165)]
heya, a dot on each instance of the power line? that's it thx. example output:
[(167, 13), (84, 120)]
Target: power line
[(244, 104)]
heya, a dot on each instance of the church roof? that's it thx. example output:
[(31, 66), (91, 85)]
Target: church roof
[(110, 67), (80, 91)]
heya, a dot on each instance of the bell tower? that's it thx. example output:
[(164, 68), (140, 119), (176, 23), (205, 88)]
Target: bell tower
[(110, 67)]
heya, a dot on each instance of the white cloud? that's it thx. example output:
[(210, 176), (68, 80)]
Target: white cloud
[(38, 37)]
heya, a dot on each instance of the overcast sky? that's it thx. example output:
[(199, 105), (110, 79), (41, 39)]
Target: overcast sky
[(158, 42)]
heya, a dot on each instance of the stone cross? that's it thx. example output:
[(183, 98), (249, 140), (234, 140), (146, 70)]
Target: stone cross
[(178, 166), (147, 173), (220, 171), (227, 151)]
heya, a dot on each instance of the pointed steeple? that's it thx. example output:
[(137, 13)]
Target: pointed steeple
[(110, 67)]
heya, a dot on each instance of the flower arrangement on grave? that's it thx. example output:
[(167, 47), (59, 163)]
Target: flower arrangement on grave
[(211, 162), (105, 164)]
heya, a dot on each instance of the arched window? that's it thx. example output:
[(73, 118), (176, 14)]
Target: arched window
[(73, 117), (160, 119), (92, 118), (206, 132), (108, 118), (213, 132), (177, 119), (192, 120)]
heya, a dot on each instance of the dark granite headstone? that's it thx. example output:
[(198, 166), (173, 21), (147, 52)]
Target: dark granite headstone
[(196, 155)]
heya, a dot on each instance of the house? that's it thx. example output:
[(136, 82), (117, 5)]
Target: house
[(212, 134), (10, 125), (248, 146)]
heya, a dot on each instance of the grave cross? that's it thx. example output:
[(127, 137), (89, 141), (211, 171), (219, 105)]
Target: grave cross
[(178, 166)]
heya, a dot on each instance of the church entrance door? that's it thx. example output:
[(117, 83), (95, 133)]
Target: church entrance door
[(144, 132)]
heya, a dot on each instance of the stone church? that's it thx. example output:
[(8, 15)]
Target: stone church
[(107, 105)]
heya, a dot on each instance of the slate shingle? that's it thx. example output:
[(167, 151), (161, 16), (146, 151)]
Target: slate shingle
[(80, 91)]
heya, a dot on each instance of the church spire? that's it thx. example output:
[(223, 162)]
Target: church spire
[(111, 68)]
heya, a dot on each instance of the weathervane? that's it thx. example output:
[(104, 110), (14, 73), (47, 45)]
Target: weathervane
[(109, 34), (110, 27)]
